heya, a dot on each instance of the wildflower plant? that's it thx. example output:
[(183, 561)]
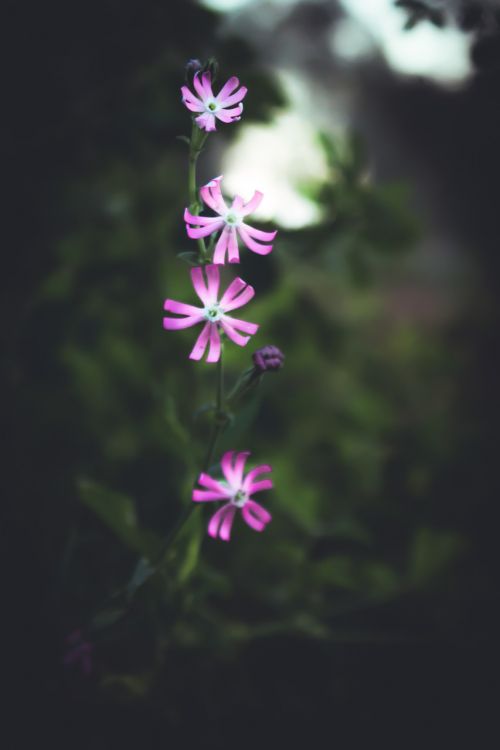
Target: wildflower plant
[(224, 483)]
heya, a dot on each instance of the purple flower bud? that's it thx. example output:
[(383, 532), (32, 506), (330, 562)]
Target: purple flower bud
[(268, 358), (192, 66)]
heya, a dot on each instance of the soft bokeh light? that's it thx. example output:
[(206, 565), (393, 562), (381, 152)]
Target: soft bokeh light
[(260, 159), (439, 54)]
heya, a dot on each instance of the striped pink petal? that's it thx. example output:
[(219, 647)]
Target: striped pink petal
[(241, 325), (228, 88), (229, 115), (253, 474), (256, 247), (212, 195), (233, 99), (205, 480), (253, 203)]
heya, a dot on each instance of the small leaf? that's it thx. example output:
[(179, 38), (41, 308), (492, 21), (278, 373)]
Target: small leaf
[(190, 257), (184, 139)]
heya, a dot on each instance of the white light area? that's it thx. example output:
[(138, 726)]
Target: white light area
[(229, 5), (276, 159), (224, 5), (350, 41), (439, 54)]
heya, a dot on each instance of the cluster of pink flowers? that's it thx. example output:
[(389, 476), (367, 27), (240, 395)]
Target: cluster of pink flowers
[(229, 227)]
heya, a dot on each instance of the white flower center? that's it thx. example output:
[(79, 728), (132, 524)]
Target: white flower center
[(232, 219), (211, 106), (239, 498), (213, 313)]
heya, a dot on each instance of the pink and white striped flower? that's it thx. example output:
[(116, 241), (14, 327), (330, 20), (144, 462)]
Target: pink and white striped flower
[(213, 314), (230, 222), (213, 107), (237, 490)]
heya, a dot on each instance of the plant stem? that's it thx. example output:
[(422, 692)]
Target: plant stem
[(217, 429), (198, 138)]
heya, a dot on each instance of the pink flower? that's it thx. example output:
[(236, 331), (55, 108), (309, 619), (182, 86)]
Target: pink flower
[(211, 106), (214, 312), (230, 221), (237, 491)]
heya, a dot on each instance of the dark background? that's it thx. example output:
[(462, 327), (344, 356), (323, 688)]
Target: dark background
[(368, 609)]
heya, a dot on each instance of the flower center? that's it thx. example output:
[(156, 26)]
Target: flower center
[(213, 313), (211, 106), (231, 219), (239, 499)]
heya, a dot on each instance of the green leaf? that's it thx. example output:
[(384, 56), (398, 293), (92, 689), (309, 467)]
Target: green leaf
[(190, 257), (143, 571), (117, 512)]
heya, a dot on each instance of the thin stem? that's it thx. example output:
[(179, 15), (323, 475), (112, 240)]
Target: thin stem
[(198, 138)]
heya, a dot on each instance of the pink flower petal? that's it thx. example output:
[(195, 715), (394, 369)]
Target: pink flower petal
[(205, 480), (207, 496), (229, 115), (252, 244), (258, 511), (226, 463), (239, 467), (243, 298), (234, 99), (228, 88), (199, 220), (227, 523), (213, 279), (200, 87), (170, 305), (195, 234), (264, 484), (191, 101), (214, 351), (258, 234), (201, 342), (253, 474), (211, 195), (253, 203), (253, 522), (206, 82), (233, 254), (216, 520), (235, 337), (175, 324), (206, 121), (240, 325), (199, 285), (221, 247), (237, 203), (232, 291)]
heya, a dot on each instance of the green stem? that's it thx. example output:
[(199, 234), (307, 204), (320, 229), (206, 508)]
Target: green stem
[(198, 138), (217, 429)]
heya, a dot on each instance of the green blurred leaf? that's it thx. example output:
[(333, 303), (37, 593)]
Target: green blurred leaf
[(117, 512)]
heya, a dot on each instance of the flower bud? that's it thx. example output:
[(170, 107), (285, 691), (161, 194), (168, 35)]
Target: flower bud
[(192, 66), (268, 358)]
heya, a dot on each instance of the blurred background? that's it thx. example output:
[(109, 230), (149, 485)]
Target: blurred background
[(368, 607)]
